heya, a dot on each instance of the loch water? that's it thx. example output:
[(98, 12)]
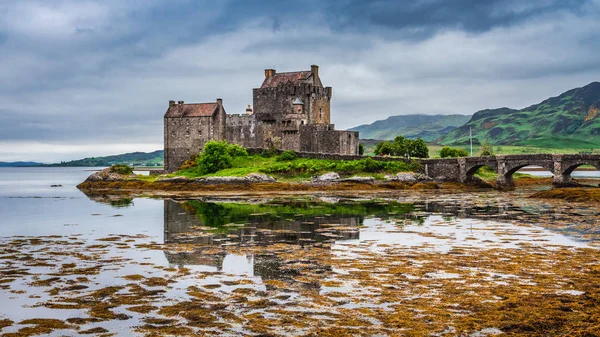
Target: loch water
[(289, 260)]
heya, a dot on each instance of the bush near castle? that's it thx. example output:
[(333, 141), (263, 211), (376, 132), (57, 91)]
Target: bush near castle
[(403, 147)]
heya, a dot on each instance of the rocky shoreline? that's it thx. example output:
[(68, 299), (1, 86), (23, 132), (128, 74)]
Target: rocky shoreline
[(106, 182)]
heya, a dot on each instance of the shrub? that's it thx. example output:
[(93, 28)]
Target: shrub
[(121, 169), (451, 152), (235, 150), (214, 157), (487, 149), (287, 156)]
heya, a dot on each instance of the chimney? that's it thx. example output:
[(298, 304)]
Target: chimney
[(314, 69), (219, 102), (269, 72), (180, 102), (249, 110), (171, 103)]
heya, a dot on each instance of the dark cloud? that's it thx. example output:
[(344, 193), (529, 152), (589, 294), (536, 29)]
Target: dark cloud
[(100, 72)]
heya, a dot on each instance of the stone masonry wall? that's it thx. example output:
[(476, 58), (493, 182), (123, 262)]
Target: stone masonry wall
[(242, 130), (185, 137)]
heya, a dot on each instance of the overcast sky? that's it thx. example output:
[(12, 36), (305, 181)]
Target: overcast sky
[(86, 78)]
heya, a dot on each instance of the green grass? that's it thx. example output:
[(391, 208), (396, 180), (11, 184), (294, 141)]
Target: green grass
[(487, 173), (434, 149), (302, 168)]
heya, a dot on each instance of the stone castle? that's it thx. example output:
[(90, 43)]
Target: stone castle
[(291, 112)]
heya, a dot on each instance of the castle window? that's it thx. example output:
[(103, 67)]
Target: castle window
[(320, 113)]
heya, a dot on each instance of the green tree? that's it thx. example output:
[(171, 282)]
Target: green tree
[(416, 148), (451, 152), (384, 148), (487, 149), (214, 157), (402, 147), (361, 149)]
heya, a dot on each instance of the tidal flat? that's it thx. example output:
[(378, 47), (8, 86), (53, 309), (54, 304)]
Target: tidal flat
[(408, 263)]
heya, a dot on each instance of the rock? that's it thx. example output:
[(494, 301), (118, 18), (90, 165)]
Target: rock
[(174, 180), (328, 177), (260, 177), (357, 179), (422, 177), (407, 177), (96, 176), (440, 179), (222, 180), (390, 177), (106, 175)]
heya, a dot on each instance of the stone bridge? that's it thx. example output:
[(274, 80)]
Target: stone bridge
[(463, 169)]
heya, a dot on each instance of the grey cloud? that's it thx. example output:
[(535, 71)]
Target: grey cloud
[(109, 82)]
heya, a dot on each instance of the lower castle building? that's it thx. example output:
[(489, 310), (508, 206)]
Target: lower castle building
[(291, 112)]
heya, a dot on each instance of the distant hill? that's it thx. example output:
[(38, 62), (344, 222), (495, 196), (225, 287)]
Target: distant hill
[(427, 127), (571, 120), (135, 158), (19, 164)]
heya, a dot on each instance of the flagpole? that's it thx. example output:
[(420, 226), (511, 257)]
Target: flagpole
[(471, 139)]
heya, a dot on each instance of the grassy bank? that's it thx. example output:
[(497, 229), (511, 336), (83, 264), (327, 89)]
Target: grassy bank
[(289, 168)]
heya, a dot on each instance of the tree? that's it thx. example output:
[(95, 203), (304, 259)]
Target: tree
[(402, 147), (451, 152), (417, 148), (384, 149), (487, 149), (361, 149)]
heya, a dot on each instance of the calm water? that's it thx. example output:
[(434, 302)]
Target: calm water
[(189, 231)]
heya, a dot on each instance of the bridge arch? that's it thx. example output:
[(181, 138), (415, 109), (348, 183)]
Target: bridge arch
[(570, 164), (573, 166), (470, 170), (509, 165)]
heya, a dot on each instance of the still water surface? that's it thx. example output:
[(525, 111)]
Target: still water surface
[(257, 244)]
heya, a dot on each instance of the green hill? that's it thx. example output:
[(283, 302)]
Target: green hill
[(19, 164), (427, 127), (570, 120), (135, 158)]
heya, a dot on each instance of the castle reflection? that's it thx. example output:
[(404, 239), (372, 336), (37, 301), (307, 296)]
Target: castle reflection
[(302, 223)]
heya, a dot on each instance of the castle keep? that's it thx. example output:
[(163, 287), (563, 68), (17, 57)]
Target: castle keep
[(291, 111)]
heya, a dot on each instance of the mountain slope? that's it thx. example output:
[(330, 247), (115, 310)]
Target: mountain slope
[(569, 120), (135, 158), (427, 127)]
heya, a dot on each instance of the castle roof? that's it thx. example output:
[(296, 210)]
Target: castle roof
[(192, 110), (293, 77)]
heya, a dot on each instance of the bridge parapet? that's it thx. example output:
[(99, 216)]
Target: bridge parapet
[(463, 169)]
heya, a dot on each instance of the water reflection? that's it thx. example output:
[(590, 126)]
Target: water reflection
[(303, 223)]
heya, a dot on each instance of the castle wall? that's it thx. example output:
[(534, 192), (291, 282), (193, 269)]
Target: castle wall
[(272, 104), (242, 130), (324, 139), (185, 137)]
